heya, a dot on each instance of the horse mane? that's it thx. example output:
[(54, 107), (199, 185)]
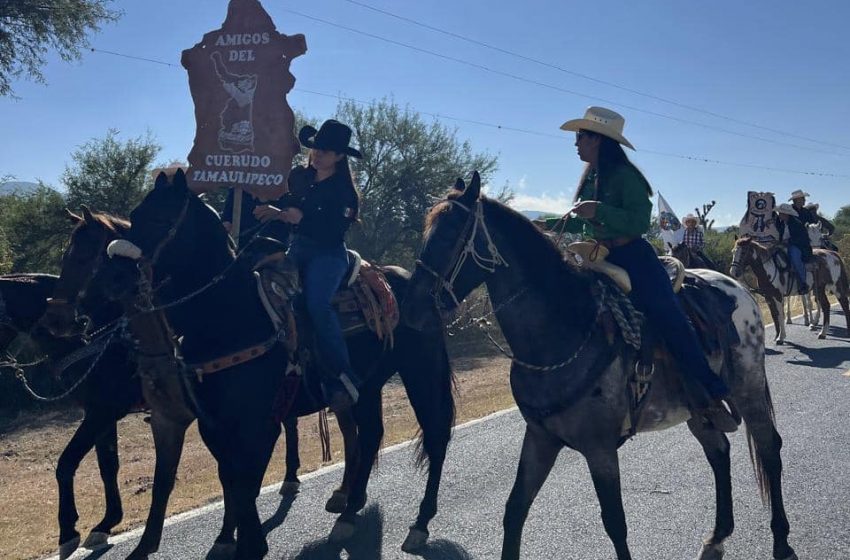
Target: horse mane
[(111, 223), (551, 273), (760, 247)]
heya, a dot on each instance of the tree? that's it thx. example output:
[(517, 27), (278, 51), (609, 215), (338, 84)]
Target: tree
[(28, 28), (109, 175), (842, 221), (36, 229), (703, 221), (407, 163)]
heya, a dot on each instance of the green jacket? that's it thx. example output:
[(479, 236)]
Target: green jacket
[(624, 208)]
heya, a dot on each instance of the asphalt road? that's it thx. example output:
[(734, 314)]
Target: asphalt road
[(667, 487)]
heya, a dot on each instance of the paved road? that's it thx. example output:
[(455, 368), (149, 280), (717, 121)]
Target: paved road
[(667, 486)]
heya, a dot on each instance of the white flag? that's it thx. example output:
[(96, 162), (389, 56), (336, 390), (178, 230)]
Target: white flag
[(671, 227)]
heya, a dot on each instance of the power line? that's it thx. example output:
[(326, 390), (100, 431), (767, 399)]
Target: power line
[(591, 78), (560, 136), (554, 87)]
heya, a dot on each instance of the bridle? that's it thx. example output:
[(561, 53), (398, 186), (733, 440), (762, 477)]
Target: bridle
[(463, 249), (761, 261)]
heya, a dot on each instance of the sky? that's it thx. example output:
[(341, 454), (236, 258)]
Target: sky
[(781, 65)]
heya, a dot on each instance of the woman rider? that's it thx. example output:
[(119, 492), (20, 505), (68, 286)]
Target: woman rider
[(324, 205), (613, 206)]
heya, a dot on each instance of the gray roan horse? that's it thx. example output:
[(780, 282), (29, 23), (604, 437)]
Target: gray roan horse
[(578, 394)]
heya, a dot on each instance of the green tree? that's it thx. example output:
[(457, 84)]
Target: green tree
[(29, 28), (36, 229), (842, 221), (109, 175), (407, 163)]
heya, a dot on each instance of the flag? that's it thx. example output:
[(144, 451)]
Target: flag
[(671, 227)]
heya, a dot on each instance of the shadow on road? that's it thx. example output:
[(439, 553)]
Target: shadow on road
[(820, 357), (279, 516), (367, 544)]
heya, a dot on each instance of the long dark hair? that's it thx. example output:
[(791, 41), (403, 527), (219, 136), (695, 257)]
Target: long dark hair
[(343, 170), (611, 156)]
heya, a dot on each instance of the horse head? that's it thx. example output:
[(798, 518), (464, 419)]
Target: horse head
[(444, 275), (171, 236), (682, 252), (78, 300), (745, 253)]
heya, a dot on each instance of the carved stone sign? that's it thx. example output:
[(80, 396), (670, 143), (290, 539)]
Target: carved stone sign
[(759, 222), (239, 77)]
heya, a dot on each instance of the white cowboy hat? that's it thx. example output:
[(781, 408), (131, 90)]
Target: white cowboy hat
[(786, 208), (799, 194), (812, 206), (601, 121), (689, 217)]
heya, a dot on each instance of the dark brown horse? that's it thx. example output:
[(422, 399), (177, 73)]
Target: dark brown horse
[(690, 257), (211, 301), (113, 390), (571, 381)]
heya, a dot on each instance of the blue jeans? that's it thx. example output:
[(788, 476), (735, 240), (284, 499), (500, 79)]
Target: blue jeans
[(322, 270), (795, 255), (652, 294)]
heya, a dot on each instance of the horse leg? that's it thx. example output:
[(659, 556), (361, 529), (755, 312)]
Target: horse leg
[(429, 390), (815, 314), (224, 546), (168, 441), (604, 468), (290, 482), (539, 451), (765, 444), (107, 462), (775, 308), (370, 425), (348, 426), (845, 306), (786, 307), (80, 444), (716, 448), (823, 303)]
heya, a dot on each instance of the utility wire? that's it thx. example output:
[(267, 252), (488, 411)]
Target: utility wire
[(554, 87), (510, 128), (590, 78)]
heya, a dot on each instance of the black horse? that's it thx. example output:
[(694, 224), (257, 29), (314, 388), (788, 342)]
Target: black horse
[(692, 258), (77, 304), (213, 304)]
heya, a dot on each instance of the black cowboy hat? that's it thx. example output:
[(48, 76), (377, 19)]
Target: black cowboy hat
[(333, 136)]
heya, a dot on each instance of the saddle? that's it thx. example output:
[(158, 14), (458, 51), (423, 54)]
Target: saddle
[(591, 255), (709, 310), (364, 300)]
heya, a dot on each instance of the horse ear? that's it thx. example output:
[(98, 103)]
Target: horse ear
[(670, 245), (460, 185), (73, 218), (736, 237), (87, 215), (473, 190), (180, 179), (161, 180)]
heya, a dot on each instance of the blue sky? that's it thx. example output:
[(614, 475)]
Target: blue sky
[(780, 64)]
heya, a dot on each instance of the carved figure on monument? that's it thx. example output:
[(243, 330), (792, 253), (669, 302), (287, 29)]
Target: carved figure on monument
[(237, 127)]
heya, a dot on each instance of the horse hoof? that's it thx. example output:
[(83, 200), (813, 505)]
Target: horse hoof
[(415, 540), (792, 557), (337, 502), (813, 327), (780, 342), (342, 531), (712, 552), (96, 539), (222, 551), (66, 549), (822, 336), (289, 487)]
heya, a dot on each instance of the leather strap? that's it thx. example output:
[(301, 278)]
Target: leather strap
[(234, 359)]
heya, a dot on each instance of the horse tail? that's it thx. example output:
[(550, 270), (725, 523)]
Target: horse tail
[(442, 416), (755, 457)]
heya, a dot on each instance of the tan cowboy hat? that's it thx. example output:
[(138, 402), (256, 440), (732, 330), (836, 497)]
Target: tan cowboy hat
[(601, 121), (689, 217), (812, 206), (786, 208), (799, 194)]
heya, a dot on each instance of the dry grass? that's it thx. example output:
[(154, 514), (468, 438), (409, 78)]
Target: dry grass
[(30, 446)]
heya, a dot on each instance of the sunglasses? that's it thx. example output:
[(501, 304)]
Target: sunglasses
[(584, 134)]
